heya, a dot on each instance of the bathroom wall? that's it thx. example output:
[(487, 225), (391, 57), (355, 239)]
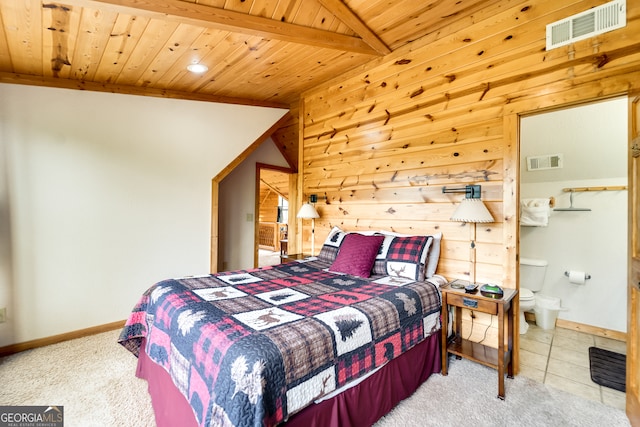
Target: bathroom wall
[(593, 140)]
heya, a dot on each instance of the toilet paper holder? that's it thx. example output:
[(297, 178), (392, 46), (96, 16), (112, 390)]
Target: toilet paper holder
[(586, 276)]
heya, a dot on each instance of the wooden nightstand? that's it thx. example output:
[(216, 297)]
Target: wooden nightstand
[(499, 358), (292, 257)]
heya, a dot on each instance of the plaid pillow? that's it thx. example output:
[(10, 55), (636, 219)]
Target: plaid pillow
[(403, 256)]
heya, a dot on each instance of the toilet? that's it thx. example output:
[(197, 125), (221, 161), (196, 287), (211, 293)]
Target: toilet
[(532, 273)]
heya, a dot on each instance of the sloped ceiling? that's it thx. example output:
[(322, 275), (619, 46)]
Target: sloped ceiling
[(259, 52)]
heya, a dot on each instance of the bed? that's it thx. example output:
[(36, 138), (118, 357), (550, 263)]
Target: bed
[(302, 343)]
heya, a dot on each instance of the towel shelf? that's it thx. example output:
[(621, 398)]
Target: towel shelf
[(571, 208)]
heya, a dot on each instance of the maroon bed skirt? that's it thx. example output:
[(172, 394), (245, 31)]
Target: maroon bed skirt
[(360, 405)]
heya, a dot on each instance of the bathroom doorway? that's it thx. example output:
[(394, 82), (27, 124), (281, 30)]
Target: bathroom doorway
[(577, 158)]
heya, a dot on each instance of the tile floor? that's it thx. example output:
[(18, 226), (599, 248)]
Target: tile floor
[(560, 358)]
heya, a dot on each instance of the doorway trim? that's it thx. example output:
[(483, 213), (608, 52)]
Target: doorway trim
[(511, 195)]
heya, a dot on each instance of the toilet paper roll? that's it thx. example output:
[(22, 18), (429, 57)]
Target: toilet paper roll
[(577, 277)]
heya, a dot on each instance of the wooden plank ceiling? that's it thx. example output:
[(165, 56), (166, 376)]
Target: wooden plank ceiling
[(275, 181), (258, 52)]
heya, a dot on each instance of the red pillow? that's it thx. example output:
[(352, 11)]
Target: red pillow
[(357, 254)]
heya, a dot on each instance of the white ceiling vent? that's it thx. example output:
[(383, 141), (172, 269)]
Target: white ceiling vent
[(549, 161), (606, 17)]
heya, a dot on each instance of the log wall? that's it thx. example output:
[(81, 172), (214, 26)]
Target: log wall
[(379, 143)]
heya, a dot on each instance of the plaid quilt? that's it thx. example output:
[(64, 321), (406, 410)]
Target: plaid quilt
[(252, 347)]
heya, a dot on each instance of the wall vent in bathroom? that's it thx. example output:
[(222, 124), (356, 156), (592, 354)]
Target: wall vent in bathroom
[(548, 161), (606, 17)]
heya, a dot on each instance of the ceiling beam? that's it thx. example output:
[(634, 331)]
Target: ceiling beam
[(353, 21), (271, 189), (229, 20), (30, 80)]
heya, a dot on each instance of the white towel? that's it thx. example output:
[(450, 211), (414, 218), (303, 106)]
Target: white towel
[(535, 212)]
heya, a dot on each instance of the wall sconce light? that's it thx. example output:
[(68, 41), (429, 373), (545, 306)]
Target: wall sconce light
[(471, 191), (308, 211), (472, 210)]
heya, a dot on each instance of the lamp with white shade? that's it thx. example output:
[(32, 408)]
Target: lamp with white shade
[(308, 211), (470, 210)]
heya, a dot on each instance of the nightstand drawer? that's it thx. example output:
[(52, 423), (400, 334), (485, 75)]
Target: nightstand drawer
[(472, 303)]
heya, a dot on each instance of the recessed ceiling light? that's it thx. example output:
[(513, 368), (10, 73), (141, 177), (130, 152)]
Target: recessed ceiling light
[(197, 68)]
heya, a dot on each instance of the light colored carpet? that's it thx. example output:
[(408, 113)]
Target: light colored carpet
[(94, 379), (268, 258), (468, 397)]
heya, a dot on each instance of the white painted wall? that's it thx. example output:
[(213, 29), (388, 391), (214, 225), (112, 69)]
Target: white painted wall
[(107, 195), (237, 202), (593, 139)]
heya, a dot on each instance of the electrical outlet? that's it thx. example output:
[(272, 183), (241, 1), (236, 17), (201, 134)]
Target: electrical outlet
[(3, 314)]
